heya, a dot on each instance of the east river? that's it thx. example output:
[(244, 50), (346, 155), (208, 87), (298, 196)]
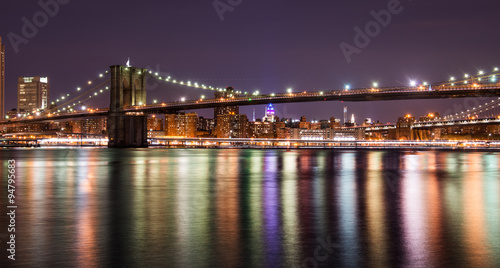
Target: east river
[(97, 207)]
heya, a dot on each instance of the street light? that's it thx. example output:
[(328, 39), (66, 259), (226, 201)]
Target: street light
[(289, 90), (347, 87), (375, 84), (413, 83)]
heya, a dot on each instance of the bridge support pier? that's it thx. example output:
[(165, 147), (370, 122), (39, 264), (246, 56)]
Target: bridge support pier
[(127, 131), (128, 88)]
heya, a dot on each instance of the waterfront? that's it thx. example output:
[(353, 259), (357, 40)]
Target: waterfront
[(254, 208)]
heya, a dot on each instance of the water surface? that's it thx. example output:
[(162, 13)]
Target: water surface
[(253, 208)]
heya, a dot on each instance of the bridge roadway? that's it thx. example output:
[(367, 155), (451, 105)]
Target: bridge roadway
[(355, 95), (365, 94)]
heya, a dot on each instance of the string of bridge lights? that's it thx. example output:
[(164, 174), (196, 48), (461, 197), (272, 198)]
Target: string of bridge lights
[(190, 84), (71, 107), (75, 103), (493, 77), (488, 106), (78, 91)]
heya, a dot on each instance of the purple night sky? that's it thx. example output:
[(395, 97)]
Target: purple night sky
[(260, 45)]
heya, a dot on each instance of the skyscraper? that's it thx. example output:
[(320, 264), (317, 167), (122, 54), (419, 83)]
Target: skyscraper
[(32, 93), (227, 93), (2, 79), (269, 113)]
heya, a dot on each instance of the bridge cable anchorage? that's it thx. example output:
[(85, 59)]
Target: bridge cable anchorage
[(65, 100)]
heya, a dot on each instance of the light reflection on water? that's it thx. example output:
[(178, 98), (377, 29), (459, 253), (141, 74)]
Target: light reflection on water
[(253, 208)]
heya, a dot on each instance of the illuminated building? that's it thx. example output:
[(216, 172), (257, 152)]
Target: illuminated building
[(430, 117), (269, 115), (96, 126), (404, 127), (311, 134), (304, 124), (228, 93), (181, 125), (284, 133), (232, 126), (262, 130), (32, 93), (206, 127), (205, 124), (2, 79), (349, 134), (155, 123), (315, 125), (335, 123)]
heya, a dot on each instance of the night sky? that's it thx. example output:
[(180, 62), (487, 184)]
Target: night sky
[(259, 45)]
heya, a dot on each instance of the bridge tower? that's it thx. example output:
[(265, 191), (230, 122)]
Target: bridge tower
[(128, 88)]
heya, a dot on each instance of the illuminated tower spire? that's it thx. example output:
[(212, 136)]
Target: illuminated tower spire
[(345, 115), (270, 113)]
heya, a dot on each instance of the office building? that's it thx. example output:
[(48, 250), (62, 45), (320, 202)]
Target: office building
[(226, 94), (2, 79), (181, 125), (269, 114), (232, 126), (32, 94)]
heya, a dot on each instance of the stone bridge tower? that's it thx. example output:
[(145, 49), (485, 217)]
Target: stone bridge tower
[(128, 88)]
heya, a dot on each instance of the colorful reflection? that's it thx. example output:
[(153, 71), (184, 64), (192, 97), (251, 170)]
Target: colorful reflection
[(256, 208)]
